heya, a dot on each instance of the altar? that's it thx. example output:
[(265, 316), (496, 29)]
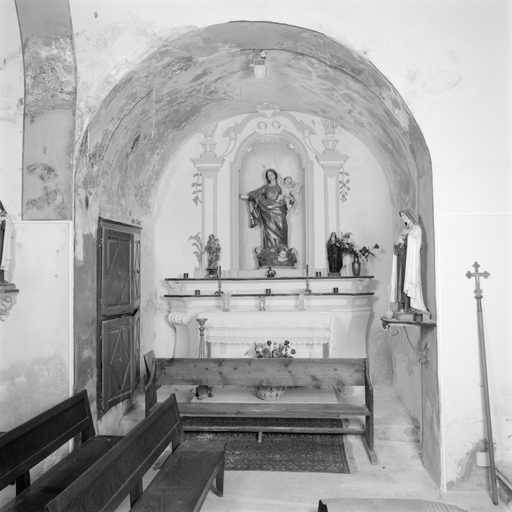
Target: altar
[(232, 334), (320, 316)]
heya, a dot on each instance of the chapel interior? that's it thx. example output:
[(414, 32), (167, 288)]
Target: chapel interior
[(131, 140)]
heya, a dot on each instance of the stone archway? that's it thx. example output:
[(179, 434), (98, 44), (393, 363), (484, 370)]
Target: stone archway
[(206, 75)]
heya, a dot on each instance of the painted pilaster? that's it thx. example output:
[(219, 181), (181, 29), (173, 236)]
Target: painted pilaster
[(331, 161), (208, 164), (50, 99)]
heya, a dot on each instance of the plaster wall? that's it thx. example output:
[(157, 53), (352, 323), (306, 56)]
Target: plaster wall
[(35, 339), (460, 359)]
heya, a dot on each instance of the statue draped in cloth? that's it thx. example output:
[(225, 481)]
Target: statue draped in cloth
[(406, 288), (6, 234), (268, 209), (334, 254)]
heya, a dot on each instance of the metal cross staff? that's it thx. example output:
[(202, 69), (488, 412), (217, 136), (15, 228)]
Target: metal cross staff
[(490, 439)]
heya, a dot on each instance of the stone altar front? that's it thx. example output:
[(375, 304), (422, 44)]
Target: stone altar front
[(332, 323)]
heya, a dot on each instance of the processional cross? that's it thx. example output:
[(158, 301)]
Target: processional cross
[(490, 441), (477, 275)]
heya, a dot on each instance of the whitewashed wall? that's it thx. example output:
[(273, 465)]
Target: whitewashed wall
[(35, 360)]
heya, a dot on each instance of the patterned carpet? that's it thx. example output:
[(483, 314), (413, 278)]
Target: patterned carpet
[(308, 453)]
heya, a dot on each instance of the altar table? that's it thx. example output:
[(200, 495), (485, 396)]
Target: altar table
[(320, 316), (312, 334)]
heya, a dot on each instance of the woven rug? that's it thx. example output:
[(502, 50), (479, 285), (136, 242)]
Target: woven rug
[(307, 453)]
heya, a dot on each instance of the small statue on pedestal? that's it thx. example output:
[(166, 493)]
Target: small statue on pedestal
[(6, 234), (8, 291), (212, 248), (334, 254), (406, 289)]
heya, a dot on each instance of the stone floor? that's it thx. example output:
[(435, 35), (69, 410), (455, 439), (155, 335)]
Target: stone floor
[(399, 474)]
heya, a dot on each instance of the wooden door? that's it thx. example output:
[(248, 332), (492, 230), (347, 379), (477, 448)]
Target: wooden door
[(117, 354), (136, 361), (136, 270), (119, 314), (117, 295)]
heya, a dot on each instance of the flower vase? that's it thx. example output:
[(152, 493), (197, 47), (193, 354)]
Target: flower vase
[(356, 266), (389, 312), (270, 393)]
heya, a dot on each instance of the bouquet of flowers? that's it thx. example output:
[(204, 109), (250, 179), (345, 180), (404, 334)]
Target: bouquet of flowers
[(271, 349), (348, 244), (365, 252)]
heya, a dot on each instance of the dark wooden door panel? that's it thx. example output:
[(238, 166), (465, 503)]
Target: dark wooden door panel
[(117, 352), (117, 275), (136, 351), (136, 270), (119, 316)]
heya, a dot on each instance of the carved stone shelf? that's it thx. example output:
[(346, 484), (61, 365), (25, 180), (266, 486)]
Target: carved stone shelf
[(393, 322)]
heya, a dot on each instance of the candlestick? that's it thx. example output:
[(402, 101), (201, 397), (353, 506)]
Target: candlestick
[(202, 345), (307, 290), (219, 289)]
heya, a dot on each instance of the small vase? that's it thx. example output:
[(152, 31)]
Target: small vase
[(356, 266), (270, 393)]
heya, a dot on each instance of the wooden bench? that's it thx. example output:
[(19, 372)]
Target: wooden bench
[(181, 484), (249, 372), (27, 445)]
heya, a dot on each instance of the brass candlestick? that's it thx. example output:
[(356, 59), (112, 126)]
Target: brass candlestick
[(307, 290), (202, 345), (219, 274)]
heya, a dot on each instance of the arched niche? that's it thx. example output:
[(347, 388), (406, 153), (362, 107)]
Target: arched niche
[(206, 75), (284, 147)]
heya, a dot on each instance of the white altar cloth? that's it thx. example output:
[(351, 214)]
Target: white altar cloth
[(299, 327)]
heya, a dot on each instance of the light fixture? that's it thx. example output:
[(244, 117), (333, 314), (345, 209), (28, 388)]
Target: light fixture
[(259, 65)]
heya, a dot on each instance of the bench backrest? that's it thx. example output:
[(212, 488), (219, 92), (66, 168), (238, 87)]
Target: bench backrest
[(107, 482), (256, 372), (28, 444)]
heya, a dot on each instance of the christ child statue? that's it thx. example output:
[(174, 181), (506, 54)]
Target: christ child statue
[(287, 187)]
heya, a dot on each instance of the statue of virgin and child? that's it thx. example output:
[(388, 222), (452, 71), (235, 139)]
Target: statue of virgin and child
[(268, 208)]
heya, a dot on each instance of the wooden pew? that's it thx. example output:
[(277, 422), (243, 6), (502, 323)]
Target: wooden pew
[(250, 372), (181, 484), (27, 445)]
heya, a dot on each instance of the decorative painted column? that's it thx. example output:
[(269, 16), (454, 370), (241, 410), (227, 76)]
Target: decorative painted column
[(50, 107), (208, 164), (331, 161)]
